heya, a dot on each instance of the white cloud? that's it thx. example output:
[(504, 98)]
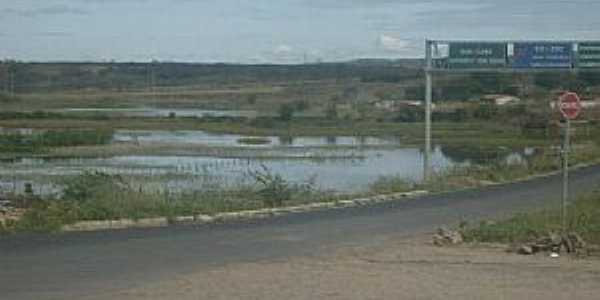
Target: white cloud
[(48, 10), (393, 44), (283, 49)]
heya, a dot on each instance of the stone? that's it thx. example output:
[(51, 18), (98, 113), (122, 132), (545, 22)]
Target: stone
[(555, 239), (526, 250), (568, 245), (439, 240), (445, 236), (577, 240), (541, 247)]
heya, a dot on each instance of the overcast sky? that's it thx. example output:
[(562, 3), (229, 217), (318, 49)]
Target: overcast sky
[(277, 31)]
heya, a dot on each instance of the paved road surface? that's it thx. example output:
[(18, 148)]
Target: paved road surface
[(72, 265)]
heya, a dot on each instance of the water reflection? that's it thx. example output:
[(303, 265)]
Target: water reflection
[(347, 169), (233, 140), (161, 112)]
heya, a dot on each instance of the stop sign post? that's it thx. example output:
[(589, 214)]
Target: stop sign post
[(569, 105)]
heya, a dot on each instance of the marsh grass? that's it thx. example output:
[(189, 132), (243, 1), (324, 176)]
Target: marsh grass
[(98, 196), (42, 141), (254, 141)]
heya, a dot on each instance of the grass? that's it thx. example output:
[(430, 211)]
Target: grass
[(254, 141), (583, 218), (40, 142), (391, 185), (98, 196)]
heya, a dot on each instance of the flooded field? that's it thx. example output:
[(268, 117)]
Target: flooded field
[(210, 139), (338, 174), (338, 163), (158, 112)]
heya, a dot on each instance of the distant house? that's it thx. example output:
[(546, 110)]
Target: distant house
[(385, 105), (501, 100), (395, 105)]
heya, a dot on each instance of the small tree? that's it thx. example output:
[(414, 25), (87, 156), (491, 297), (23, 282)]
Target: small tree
[(251, 99), (286, 112), (331, 111)]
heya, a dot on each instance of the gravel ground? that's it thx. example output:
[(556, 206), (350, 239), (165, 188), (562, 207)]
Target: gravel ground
[(400, 268)]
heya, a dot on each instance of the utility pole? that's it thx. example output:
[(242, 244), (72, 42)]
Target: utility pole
[(565, 187), (153, 82), (428, 97), (11, 73), (304, 58), (5, 77)]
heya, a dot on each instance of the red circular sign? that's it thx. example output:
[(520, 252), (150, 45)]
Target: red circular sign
[(569, 105)]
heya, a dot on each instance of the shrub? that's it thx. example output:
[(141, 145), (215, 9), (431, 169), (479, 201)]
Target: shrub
[(275, 189), (254, 141), (286, 112), (90, 186), (251, 99), (46, 216), (331, 112)]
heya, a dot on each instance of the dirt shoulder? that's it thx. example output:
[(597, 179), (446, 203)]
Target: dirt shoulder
[(400, 268)]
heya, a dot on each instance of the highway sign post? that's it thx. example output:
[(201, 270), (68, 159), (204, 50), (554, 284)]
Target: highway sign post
[(588, 55), (569, 105), (477, 55), (543, 55)]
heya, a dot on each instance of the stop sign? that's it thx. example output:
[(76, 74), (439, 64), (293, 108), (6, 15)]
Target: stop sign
[(569, 105)]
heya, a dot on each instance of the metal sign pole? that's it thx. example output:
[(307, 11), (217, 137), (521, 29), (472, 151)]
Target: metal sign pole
[(428, 96), (565, 188)]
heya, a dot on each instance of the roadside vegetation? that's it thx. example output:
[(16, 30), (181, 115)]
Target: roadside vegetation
[(583, 219), (99, 196)]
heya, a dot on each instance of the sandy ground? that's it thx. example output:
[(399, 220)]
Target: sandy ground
[(403, 268)]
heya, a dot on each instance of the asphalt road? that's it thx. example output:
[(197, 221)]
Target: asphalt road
[(69, 266)]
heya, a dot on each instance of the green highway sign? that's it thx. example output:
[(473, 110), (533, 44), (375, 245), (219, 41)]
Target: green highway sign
[(588, 55), (477, 55)]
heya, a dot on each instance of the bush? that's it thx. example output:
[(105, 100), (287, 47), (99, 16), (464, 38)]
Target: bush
[(251, 99), (275, 189), (331, 112), (46, 216), (286, 112), (254, 141), (301, 105), (410, 115), (90, 186)]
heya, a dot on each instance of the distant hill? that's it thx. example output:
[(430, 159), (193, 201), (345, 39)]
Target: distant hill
[(77, 75)]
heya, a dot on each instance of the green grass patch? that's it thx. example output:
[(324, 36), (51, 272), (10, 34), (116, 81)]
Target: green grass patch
[(98, 196), (39, 142), (391, 185), (254, 141), (583, 218)]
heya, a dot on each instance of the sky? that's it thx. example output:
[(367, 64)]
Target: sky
[(274, 31)]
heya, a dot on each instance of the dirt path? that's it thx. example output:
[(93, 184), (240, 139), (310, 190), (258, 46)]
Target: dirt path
[(410, 269)]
